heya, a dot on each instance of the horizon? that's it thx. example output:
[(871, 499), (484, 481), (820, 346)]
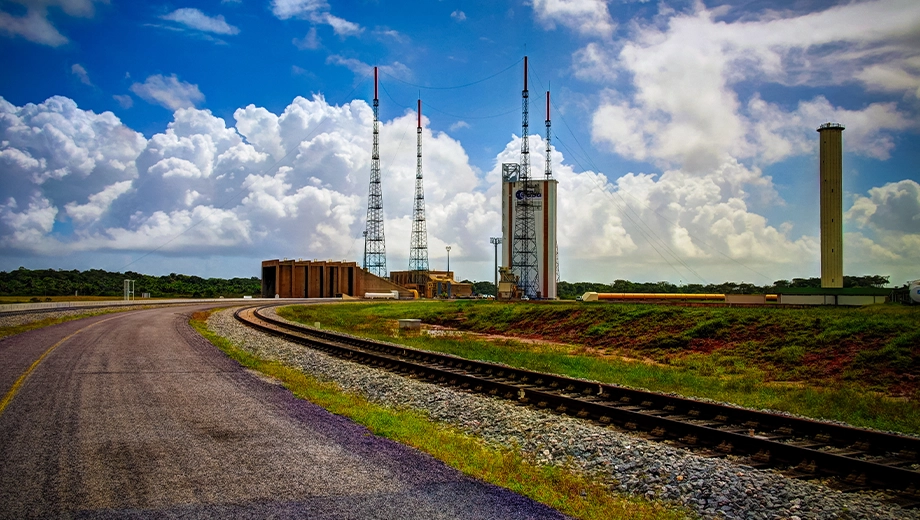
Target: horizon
[(209, 136)]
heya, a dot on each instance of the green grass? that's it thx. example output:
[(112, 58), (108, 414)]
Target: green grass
[(571, 493), (804, 361)]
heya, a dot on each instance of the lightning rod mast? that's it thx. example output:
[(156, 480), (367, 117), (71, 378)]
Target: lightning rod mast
[(549, 175), (375, 255), (524, 246), (418, 248)]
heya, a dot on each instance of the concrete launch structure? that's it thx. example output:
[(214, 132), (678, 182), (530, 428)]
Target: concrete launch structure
[(322, 279), (542, 198), (831, 197)]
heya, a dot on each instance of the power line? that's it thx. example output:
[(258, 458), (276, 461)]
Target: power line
[(509, 67), (408, 107)]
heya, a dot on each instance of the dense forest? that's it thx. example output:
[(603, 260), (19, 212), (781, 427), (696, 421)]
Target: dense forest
[(568, 291), (96, 282)]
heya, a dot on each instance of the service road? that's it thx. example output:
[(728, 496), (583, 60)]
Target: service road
[(135, 415)]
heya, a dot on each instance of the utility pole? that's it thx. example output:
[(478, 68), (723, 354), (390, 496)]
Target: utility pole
[(495, 242)]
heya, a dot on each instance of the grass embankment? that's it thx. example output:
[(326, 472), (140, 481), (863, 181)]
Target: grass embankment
[(859, 365), (36, 299), (563, 490), (47, 322)]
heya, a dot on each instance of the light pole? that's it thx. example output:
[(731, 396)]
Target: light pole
[(448, 258), (495, 242), (365, 250)]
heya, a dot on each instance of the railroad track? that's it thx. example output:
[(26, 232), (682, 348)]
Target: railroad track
[(854, 459)]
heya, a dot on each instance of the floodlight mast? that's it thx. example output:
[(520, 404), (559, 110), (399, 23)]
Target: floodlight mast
[(496, 241)]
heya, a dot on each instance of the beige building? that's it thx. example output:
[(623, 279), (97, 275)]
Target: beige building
[(831, 195), (432, 284)]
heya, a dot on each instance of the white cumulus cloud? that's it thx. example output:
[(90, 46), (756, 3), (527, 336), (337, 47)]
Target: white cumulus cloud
[(168, 92), (35, 26), (685, 109), (587, 17), (317, 12), (77, 70), (195, 19)]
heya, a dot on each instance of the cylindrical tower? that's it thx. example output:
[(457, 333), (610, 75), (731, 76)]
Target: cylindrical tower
[(831, 190)]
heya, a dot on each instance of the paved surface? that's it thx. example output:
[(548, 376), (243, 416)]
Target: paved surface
[(135, 415)]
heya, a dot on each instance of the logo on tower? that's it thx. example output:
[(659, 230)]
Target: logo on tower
[(530, 195)]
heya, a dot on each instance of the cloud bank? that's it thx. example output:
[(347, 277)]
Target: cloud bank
[(294, 184)]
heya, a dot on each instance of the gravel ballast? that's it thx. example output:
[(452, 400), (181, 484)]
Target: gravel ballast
[(713, 488)]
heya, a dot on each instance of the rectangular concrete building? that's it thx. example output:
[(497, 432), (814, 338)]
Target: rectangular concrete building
[(321, 279), (544, 201)]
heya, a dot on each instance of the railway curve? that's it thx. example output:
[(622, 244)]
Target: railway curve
[(856, 458)]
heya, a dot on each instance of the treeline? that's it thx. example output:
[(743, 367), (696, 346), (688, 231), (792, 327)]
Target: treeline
[(568, 290), (96, 282)]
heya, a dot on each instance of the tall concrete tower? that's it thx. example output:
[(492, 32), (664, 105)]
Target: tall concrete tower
[(831, 170)]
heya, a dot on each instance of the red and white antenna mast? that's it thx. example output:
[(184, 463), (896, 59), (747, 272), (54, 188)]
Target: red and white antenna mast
[(375, 249), (418, 243), (524, 259)]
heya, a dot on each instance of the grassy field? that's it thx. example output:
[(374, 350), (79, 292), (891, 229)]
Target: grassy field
[(566, 491), (859, 365)]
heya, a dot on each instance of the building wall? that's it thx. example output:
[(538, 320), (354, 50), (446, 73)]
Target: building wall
[(311, 279), (831, 195), (545, 224)]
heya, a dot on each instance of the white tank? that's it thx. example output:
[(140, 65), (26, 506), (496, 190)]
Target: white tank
[(915, 291)]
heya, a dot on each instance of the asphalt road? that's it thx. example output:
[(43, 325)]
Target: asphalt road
[(135, 415)]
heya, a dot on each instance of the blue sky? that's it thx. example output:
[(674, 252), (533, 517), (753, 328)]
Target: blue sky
[(203, 137)]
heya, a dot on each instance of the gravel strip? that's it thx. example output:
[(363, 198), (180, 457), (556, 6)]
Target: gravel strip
[(21, 319), (714, 488)]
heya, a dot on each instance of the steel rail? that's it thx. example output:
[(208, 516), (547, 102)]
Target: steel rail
[(816, 448)]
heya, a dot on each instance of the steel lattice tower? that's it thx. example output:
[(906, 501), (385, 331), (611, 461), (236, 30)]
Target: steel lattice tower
[(524, 246), (418, 248), (375, 249)]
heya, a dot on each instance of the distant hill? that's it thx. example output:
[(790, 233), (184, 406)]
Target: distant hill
[(96, 282)]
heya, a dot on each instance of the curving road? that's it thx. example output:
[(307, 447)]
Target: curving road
[(136, 415)]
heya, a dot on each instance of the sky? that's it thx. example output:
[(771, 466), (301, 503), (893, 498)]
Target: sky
[(202, 137)]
